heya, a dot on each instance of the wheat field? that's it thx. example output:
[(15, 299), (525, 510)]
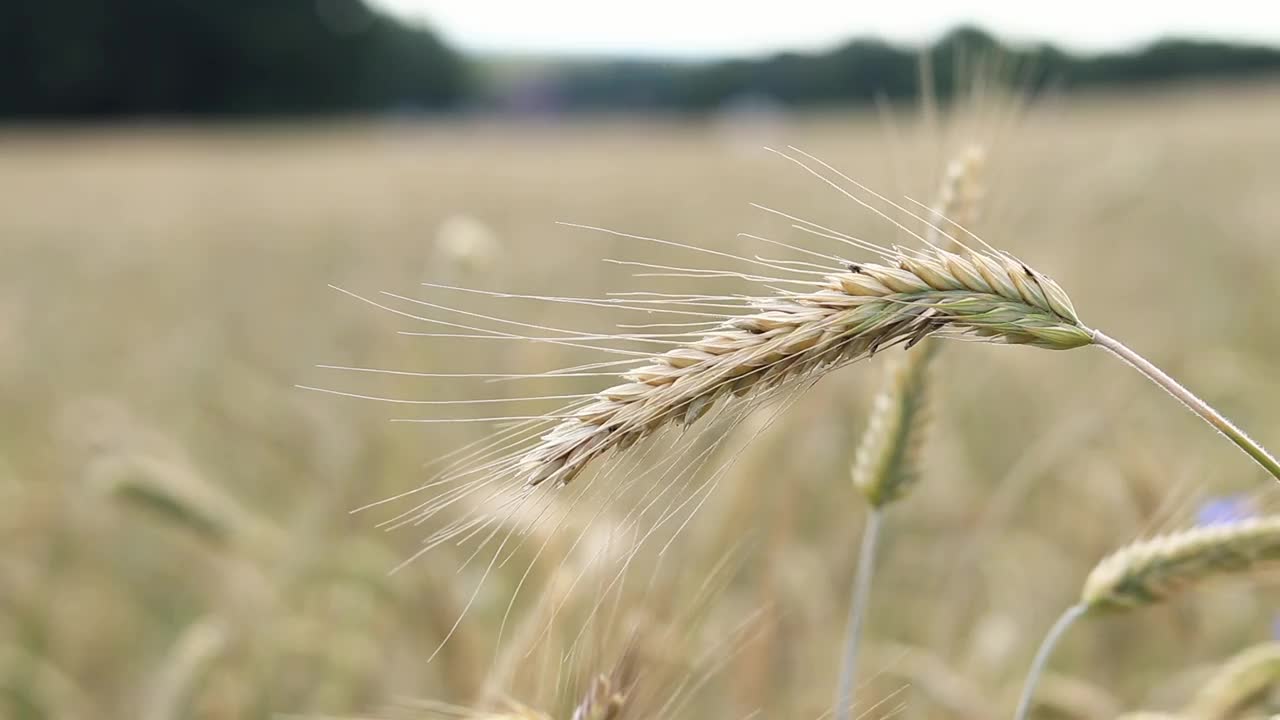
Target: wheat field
[(175, 511)]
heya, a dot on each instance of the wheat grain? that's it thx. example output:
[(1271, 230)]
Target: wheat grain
[(1151, 571)]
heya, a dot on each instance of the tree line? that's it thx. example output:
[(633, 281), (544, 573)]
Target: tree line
[(102, 58), (865, 69), (125, 58)]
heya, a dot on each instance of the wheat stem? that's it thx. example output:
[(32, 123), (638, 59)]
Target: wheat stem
[(1188, 398), (1050, 641), (857, 613)]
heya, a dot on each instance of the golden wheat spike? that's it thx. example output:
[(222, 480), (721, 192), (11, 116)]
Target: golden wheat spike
[(846, 317)]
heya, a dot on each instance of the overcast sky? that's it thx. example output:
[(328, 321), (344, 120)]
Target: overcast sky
[(700, 28)]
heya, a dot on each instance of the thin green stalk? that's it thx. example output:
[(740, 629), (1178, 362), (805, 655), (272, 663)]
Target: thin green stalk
[(1050, 641), (1188, 398), (857, 613)]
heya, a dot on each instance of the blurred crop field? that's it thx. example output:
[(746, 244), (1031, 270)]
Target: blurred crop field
[(175, 514)]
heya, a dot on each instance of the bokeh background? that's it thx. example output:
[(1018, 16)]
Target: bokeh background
[(181, 182)]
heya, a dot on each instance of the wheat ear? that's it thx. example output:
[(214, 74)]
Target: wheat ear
[(197, 648), (1151, 571), (884, 470), (1240, 681), (847, 316), (886, 464), (183, 496), (850, 315)]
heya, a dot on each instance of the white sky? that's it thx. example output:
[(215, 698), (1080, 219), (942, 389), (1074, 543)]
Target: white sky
[(716, 27)]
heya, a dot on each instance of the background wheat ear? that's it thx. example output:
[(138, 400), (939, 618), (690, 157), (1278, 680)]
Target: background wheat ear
[(1241, 681), (195, 651), (182, 496), (886, 463), (1151, 571)]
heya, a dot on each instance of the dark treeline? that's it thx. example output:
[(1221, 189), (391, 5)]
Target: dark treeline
[(864, 69), (103, 58), (117, 58)]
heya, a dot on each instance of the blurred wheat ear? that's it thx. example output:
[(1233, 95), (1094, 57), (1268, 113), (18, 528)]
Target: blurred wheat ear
[(1240, 682), (886, 463), (181, 495), (196, 649), (1152, 571)]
